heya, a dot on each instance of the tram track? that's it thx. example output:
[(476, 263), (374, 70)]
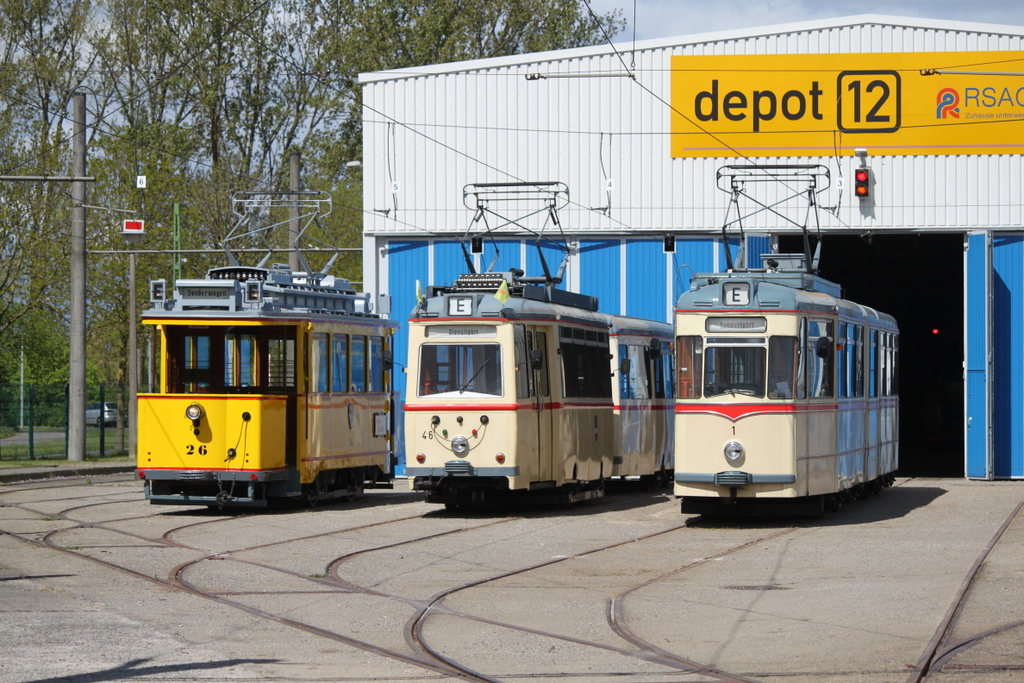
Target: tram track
[(263, 599), (176, 577), (943, 647)]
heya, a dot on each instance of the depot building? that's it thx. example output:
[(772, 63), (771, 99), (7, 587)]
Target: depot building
[(895, 144)]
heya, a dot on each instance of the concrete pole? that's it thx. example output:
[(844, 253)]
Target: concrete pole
[(133, 364), (76, 369), (293, 214)]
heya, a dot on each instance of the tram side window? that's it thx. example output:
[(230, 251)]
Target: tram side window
[(888, 361), (636, 382), (196, 367), (358, 352), (584, 363), (783, 363), (241, 361), (339, 363), (851, 360), (820, 373), (895, 383), (280, 361), (858, 361), (539, 340), (873, 366), (844, 361), (376, 364), (661, 359), (524, 377), (321, 364), (155, 369), (690, 363)]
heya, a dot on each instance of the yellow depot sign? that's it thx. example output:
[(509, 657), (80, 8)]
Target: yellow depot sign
[(820, 105)]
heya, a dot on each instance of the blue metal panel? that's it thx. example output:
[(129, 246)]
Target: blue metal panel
[(449, 262), (692, 256), (600, 264), (645, 279), (734, 250), (977, 440), (1007, 356), (407, 263), (509, 255), (757, 245), (553, 255)]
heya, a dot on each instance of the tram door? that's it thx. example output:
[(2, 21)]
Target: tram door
[(531, 346)]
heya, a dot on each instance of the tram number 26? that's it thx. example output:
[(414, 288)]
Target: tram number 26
[(192, 450)]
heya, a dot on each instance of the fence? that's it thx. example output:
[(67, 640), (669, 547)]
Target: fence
[(34, 421)]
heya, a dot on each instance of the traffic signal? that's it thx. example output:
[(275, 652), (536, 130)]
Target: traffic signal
[(862, 182)]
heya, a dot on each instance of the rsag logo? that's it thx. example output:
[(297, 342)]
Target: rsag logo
[(948, 101)]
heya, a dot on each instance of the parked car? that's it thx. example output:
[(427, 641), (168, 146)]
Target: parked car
[(93, 414)]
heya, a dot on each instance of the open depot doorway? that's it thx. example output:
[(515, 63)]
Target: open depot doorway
[(918, 279)]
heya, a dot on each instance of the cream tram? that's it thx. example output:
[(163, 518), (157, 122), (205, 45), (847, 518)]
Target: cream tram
[(786, 393), (268, 384), (521, 389)]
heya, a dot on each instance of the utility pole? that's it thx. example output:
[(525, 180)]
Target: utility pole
[(293, 213), (76, 369)]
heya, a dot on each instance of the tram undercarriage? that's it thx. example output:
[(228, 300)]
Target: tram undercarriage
[(215, 489), (456, 492), (806, 506)]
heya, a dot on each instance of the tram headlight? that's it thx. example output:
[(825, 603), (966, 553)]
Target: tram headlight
[(733, 451), (460, 445), (194, 412)]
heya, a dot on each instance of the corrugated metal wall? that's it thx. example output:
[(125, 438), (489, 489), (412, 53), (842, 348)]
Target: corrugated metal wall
[(430, 131)]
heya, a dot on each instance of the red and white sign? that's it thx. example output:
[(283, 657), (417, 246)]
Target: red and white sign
[(135, 227)]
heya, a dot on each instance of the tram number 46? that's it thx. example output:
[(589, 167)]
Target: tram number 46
[(192, 450), (869, 101)]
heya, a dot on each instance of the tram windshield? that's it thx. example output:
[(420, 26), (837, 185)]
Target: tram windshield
[(460, 370), (738, 366), (734, 370), (237, 360)]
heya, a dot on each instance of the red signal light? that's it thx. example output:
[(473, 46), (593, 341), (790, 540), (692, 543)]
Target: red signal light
[(862, 182)]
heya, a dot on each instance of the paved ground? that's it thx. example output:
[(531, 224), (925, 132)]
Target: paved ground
[(97, 585)]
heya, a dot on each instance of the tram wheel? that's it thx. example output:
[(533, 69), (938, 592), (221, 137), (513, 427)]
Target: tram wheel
[(451, 506)]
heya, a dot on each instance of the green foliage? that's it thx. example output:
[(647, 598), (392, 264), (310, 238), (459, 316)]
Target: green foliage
[(204, 99)]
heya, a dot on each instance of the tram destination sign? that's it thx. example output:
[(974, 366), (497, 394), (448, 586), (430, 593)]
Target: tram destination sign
[(823, 104), (188, 292)]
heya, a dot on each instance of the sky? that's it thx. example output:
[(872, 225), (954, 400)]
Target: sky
[(670, 18)]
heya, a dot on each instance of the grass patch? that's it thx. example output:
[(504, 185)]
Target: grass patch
[(121, 456), (48, 447)]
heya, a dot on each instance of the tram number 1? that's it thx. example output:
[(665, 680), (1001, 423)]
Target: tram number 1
[(191, 450)]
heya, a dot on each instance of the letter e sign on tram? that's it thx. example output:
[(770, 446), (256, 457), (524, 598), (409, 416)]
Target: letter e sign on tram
[(736, 293)]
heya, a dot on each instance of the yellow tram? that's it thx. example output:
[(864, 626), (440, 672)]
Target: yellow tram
[(268, 384), (787, 394)]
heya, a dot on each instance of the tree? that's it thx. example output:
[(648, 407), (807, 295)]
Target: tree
[(206, 99)]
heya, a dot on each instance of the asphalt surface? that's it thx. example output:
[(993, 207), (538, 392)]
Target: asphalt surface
[(859, 596)]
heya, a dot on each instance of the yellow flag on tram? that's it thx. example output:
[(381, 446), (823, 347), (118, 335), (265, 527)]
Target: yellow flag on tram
[(502, 294)]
